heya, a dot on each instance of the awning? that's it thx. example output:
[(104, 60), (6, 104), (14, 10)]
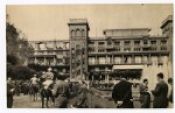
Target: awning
[(115, 67)]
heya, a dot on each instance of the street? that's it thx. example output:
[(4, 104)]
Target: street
[(95, 100)]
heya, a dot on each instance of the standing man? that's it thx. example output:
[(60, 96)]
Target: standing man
[(82, 101), (10, 93), (34, 80), (61, 92), (34, 85), (160, 93), (144, 94), (49, 73), (122, 94), (170, 95)]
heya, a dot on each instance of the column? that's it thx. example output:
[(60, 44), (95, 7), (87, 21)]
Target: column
[(132, 59), (112, 59), (106, 77), (97, 60), (45, 61), (122, 59), (54, 60), (35, 61)]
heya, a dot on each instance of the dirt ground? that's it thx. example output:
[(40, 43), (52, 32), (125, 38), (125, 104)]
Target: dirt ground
[(25, 101)]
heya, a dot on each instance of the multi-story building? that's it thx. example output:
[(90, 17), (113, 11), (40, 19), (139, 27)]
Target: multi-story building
[(51, 53), (120, 52)]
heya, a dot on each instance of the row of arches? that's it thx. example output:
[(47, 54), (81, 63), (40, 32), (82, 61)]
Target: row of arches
[(78, 32)]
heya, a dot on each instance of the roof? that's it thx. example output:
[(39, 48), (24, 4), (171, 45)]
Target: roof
[(125, 29), (126, 37), (167, 20), (79, 21)]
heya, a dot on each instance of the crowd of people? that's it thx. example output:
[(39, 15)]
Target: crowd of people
[(162, 94), (52, 87), (61, 92)]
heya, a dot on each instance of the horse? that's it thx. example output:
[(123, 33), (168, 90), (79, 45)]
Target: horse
[(46, 94)]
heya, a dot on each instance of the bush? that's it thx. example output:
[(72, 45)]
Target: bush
[(20, 72)]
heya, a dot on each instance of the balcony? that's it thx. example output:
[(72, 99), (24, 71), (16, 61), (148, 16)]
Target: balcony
[(109, 46)]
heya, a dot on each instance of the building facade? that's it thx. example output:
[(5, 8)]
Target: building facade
[(118, 51), (51, 54)]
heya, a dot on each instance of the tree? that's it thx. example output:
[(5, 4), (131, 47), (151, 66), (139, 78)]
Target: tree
[(19, 72), (18, 51), (18, 48)]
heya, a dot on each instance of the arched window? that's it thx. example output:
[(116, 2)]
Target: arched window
[(82, 32), (73, 33), (78, 32)]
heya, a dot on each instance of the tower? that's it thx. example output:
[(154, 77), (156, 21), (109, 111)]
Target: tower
[(78, 36), (167, 30)]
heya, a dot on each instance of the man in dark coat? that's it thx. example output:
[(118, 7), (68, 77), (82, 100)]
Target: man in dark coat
[(81, 100), (122, 94), (170, 96), (144, 94), (160, 93), (10, 93), (61, 93)]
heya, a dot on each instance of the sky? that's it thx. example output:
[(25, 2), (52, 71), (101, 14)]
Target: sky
[(49, 22)]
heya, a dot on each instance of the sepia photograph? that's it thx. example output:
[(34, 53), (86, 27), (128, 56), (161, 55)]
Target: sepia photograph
[(89, 56)]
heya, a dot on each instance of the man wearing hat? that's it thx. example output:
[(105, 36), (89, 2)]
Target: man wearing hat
[(49, 73), (122, 93)]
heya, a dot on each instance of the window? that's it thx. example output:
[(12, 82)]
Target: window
[(153, 42), (73, 33), (137, 42), (83, 33), (117, 43), (91, 49), (136, 49), (109, 43), (117, 49), (153, 48), (127, 43), (163, 48), (91, 43), (78, 46), (101, 43), (127, 49), (78, 32), (59, 61), (163, 42), (145, 42), (101, 50)]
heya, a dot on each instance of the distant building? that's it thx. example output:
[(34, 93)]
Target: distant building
[(51, 53), (119, 51)]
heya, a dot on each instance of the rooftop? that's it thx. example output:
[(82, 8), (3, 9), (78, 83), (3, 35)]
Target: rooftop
[(127, 32), (78, 20), (168, 19)]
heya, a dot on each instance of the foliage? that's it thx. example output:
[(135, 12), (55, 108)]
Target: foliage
[(18, 48), (19, 72), (38, 67)]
